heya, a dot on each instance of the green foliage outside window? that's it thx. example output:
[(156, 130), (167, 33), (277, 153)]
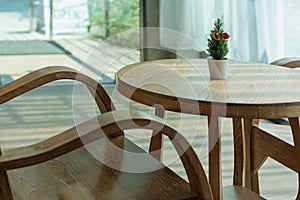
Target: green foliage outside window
[(110, 17)]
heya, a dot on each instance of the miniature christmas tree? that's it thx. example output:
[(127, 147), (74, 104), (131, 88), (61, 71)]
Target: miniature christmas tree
[(217, 44)]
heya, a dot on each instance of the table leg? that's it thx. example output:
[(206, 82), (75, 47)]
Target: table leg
[(242, 151), (214, 164), (247, 152), (238, 151), (157, 138)]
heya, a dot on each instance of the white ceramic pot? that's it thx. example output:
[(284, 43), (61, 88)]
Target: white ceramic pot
[(217, 68)]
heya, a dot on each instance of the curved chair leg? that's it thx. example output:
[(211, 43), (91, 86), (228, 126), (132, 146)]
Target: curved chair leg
[(5, 190), (294, 123), (257, 159), (156, 143)]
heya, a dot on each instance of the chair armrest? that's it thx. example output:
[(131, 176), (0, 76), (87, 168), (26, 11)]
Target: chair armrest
[(195, 172), (52, 147), (49, 74), (110, 124)]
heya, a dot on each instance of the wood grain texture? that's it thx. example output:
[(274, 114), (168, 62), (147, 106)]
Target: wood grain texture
[(190, 162), (215, 171), (247, 152), (156, 142), (239, 192), (290, 62), (266, 142), (230, 193), (49, 74), (102, 181), (76, 192), (109, 125), (251, 90), (30, 155), (34, 80), (5, 190), (270, 191), (238, 151)]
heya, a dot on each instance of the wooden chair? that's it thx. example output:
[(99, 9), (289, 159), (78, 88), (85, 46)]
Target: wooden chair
[(274, 141), (39, 78), (290, 62), (95, 180), (49, 74), (103, 181), (161, 184), (281, 143), (70, 159)]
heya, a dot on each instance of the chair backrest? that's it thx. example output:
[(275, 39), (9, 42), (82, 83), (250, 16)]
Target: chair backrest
[(113, 124), (265, 144), (290, 62), (36, 79), (46, 75), (126, 120), (275, 143), (110, 125)]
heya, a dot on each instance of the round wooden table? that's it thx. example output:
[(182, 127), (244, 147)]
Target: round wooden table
[(251, 91)]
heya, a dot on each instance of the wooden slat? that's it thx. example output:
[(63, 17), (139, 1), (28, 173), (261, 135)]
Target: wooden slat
[(156, 143), (275, 148)]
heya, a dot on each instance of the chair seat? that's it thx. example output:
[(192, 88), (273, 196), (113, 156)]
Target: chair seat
[(46, 180), (239, 192)]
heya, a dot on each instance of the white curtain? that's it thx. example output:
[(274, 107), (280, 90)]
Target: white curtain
[(255, 26)]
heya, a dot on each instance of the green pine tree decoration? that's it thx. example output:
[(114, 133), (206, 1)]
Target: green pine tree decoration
[(217, 43)]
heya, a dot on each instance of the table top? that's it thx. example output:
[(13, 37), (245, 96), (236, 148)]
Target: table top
[(251, 90)]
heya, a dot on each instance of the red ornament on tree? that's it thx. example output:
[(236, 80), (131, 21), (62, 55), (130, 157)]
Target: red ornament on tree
[(226, 36)]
